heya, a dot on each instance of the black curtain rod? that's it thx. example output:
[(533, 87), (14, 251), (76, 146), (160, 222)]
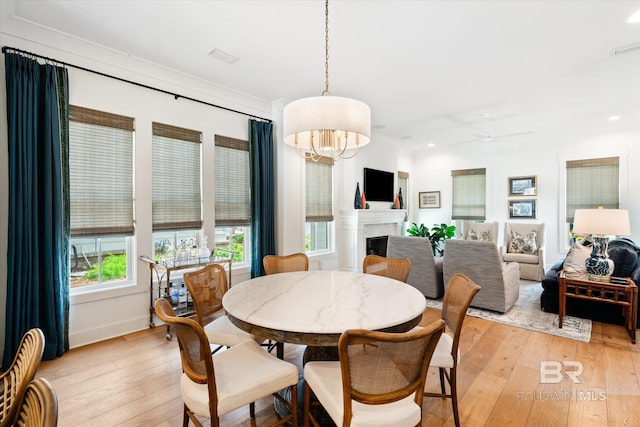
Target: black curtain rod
[(175, 95)]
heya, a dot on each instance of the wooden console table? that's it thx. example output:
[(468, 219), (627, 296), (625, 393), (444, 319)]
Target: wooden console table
[(621, 291)]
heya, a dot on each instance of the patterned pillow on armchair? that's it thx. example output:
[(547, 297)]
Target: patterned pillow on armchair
[(523, 244)]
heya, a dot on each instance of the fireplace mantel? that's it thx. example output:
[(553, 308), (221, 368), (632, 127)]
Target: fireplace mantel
[(359, 224)]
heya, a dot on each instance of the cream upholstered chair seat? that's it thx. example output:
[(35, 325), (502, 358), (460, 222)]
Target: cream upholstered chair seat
[(207, 286), (378, 380), (442, 356), (460, 292), (222, 332), (524, 244), (244, 373), (213, 385), (326, 381)]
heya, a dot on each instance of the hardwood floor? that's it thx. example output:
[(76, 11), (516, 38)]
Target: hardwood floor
[(134, 381)]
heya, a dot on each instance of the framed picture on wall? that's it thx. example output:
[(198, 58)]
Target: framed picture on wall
[(429, 199), (522, 209), (522, 186)]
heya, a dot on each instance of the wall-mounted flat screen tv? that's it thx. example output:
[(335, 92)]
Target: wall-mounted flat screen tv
[(378, 185)]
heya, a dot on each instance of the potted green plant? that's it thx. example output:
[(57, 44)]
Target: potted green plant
[(436, 235)]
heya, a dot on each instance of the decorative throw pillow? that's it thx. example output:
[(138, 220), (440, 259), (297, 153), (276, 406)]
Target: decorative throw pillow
[(578, 254), (523, 244), (482, 236), (624, 260)]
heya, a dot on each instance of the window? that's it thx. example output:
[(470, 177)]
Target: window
[(177, 201), (101, 196), (178, 245), (318, 204), (233, 196), (591, 183), (469, 194)]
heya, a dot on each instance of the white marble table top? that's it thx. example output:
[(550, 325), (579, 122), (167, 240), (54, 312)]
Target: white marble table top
[(315, 307)]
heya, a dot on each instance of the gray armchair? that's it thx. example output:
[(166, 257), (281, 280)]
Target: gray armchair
[(426, 271), (481, 262), (527, 248)]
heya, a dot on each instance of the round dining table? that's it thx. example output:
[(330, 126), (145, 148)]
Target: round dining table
[(315, 307)]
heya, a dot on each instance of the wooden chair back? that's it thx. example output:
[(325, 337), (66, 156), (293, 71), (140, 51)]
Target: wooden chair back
[(14, 381), (207, 286), (394, 268), (195, 353), (401, 362), (457, 298), (284, 263), (40, 405)]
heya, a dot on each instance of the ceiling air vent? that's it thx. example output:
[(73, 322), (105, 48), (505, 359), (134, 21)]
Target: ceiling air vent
[(222, 56)]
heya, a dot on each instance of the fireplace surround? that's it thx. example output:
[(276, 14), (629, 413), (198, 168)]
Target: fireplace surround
[(360, 224)]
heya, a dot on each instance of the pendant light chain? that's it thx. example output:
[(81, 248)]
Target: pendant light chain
[(326, 48)]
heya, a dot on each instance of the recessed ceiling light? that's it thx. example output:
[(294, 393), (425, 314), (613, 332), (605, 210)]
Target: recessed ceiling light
[(222, 56), (431, 145), (634, 18), (614, 118)]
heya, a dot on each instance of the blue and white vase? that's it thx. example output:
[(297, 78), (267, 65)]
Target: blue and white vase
[(599, 265)]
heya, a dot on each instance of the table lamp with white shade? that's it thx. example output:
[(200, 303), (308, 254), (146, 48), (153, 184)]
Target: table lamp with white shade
[(601, 223)]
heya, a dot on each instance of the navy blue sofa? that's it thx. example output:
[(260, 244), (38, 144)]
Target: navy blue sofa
[(625, 254)]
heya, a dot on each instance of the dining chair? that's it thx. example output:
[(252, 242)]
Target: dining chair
[(207, 286), (378, 380), (14, 381), (274, 264), (284, 263), (394, 268), (39, 407), (458, 294), (214, 385)]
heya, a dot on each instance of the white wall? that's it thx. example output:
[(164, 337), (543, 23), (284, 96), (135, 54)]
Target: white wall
[(97, 316), (545, 158), (111, 313)]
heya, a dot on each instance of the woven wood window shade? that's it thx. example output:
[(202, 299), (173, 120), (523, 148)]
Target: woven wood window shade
[(232, 182), (100, 173), (469, 194), (176, 193), (592, 183), (319, 190)]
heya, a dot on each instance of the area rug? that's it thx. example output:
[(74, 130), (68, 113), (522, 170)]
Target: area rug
[(526, 314)]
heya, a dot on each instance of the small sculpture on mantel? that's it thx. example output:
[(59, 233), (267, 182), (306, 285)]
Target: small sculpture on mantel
[(357, 200)]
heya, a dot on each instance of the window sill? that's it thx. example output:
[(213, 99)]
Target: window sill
[(102, 292)]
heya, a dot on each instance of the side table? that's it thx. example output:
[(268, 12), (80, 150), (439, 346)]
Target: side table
[(621, 291)]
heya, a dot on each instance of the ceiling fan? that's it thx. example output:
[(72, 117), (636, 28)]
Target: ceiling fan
[(488, 136)]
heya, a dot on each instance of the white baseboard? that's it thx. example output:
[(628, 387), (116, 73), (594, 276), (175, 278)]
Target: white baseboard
[(116, 329)]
